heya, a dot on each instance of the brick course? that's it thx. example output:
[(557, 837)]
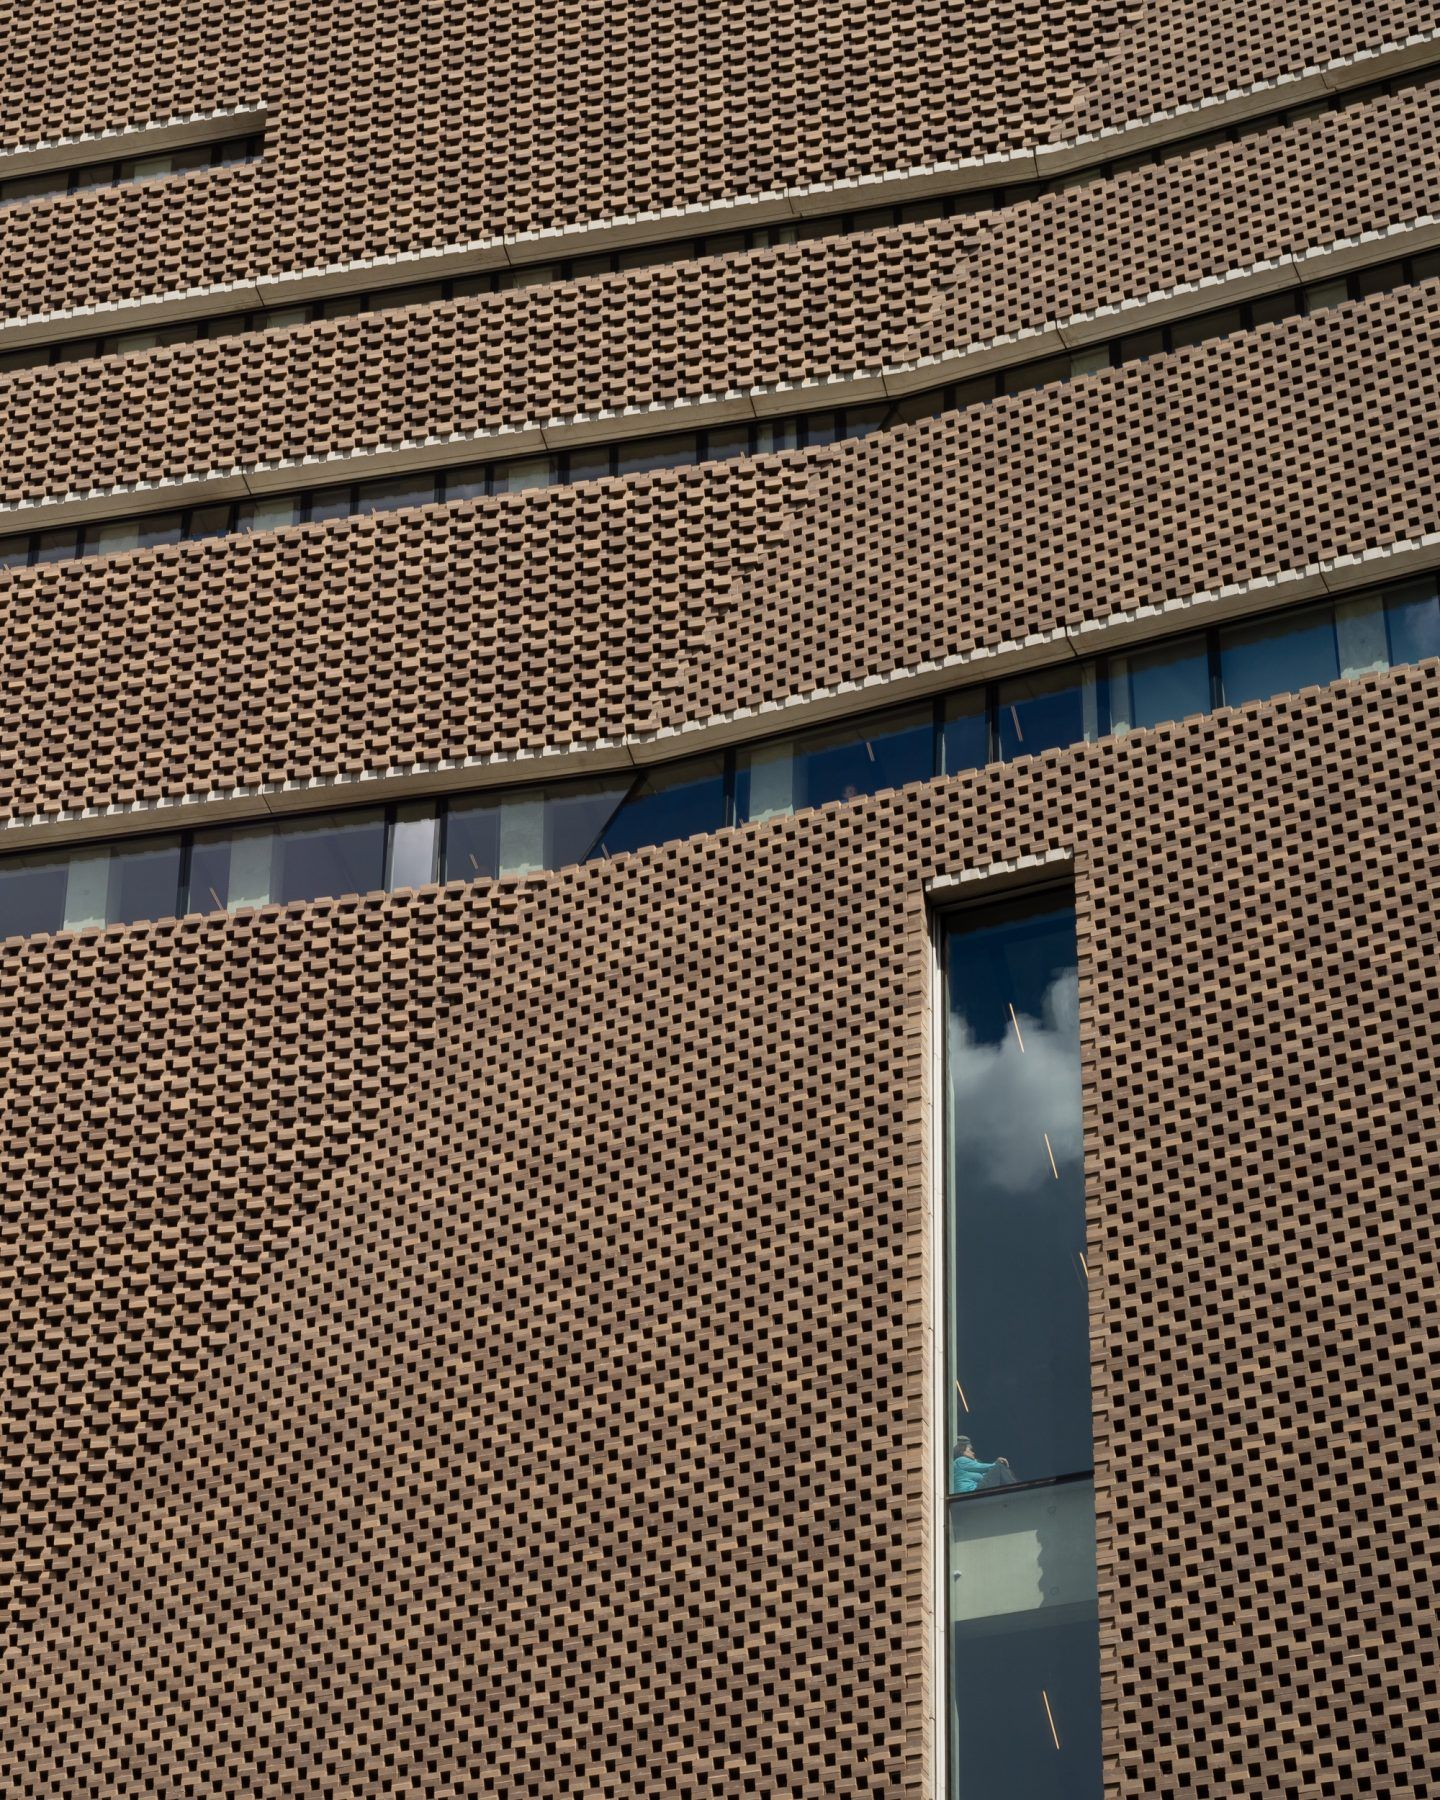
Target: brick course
[(576, 615), (399, 131), (676, 334)]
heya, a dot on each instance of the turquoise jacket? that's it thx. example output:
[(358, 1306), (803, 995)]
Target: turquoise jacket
[(966, 1474)]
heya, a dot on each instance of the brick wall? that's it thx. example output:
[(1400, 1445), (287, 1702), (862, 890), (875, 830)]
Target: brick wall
[(472, 1342)]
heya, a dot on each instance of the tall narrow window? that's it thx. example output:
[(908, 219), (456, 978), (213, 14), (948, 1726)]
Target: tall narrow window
[(1023, 1707)]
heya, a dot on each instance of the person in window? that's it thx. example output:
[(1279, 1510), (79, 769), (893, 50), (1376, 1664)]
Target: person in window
[(967, 1472)]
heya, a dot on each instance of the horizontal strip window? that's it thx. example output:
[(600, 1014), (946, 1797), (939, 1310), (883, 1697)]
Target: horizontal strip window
[(673, 250), (633, 456), (149, 167), (517, 830)]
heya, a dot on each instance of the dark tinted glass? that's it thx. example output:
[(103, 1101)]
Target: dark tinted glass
[(1023, 1657), (208, 521), (55, 546), (406, 490), (590, 463), (1278, 656), (860, 421), (267, 515), (209, 889), (144, 881), (1412, 618), (967, 731), (133, 534), (727, 440), (334, 854), (655, 453), (14, 552), (1024, 1645), (1172, 681), (667, 804), (1037, 374), (1209, 325), (577, 814), (472, 840), (1275, 306), (1038, 712), (329, 503), (32, 894), (1019, 1304)]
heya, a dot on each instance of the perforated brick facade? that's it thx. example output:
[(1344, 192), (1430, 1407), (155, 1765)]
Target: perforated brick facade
[(477, 1341)]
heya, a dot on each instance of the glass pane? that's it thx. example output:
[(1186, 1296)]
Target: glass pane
[(1321, 294), (1141, 344), (1045, 710), (56, 546), (328, 503), (821, 428), (336, 853), (576, 816), (525, 472), (842, 762), (1018, 1383), (656, 453), (133, 534), (267, 515), (146, 168), (773, 435), (208, 521), (1280, 655), (144, 881), (1360, 639), (1275, 306), (1170, 681), (590, 463), (14, 552), (32, 894), (279, 317), (967, 731), (727, 440), (472, 839), (861, 421), (210, 872), (665, 804), (1207, 326), (420, 293), (1412, 617), (1024, 1675), (1037, 374), (1380, 279), (230, 869), (414, 846), (386, 496), (1090, 362), (34, 187), (86, 886), (978, 391)]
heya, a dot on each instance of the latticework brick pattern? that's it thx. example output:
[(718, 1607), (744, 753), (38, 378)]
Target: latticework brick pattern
[(692, 332), (473, 1343), (574, 616), (400, 130)]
